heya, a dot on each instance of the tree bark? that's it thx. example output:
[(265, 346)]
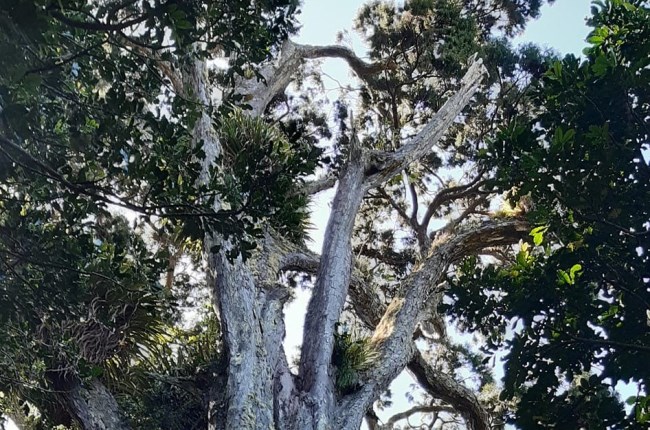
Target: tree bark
[(93, 406), (260, 391), (329, 294)]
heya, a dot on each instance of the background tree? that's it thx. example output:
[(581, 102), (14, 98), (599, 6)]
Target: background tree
[(119, 104)]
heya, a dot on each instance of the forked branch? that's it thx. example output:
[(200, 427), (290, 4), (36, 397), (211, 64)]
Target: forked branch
[(392, 337)]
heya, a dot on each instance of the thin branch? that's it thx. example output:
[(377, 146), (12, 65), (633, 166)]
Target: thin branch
[(59, 62), (101, 194), (442, 386), (452, 193), (469, 210), (423, 409), (610, 343), (167, 68), (410, 187), (97, 25), (400, 211), (364, 70), (44, 263), (318, 185)]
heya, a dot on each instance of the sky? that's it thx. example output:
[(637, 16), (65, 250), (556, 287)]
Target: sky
[(561, 27)]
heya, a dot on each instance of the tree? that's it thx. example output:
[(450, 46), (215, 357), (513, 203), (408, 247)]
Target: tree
[(119, 104), (581, 294)]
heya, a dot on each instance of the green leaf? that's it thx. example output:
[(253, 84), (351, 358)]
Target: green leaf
[(574, 271), (538, 234), (564, 277)]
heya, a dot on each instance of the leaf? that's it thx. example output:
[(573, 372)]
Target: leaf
[(564, 277), (574, 270), (538, 234)]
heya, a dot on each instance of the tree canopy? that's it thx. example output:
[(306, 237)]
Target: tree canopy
[(157, 161)]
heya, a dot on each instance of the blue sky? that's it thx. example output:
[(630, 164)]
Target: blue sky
[(561, 25)]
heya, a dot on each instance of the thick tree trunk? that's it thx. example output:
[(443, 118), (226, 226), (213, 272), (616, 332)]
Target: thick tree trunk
[(93, 406), (260, 391), (329, 294), (258, 382)]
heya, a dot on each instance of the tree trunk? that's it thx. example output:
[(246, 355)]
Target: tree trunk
[(259, 391), (257, 375), (93, 406)]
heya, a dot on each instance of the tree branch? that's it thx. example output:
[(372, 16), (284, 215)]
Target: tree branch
[(329, 293), (97, 25), (167, 68), (364, 70), (449, 194), (392, 338), (388, 164), (423, 409), (442, 386), (410, 186), (370, 310), (400, 211), (469, 210), (276, 78), (318, 185), (610, 343)]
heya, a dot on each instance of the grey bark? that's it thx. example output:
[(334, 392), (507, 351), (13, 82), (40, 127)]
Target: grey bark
[(444, 387), (93, 406), (261, 393), (371, 312), (329, 294)]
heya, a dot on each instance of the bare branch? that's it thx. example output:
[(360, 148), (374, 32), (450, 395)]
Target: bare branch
[(392, 337), (318, 185), (423, 409), (276, 78), (167, 68), (610, 343), (388, 164), (410, 186), (364, 70), (444, 387), (400, 211), (452, 193), (469, 210)]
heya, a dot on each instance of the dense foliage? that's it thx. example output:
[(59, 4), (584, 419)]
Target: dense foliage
[(88, 126), (576, 303)]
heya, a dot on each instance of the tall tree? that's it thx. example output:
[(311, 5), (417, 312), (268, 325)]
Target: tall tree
[(121, 104), (580, 296)]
